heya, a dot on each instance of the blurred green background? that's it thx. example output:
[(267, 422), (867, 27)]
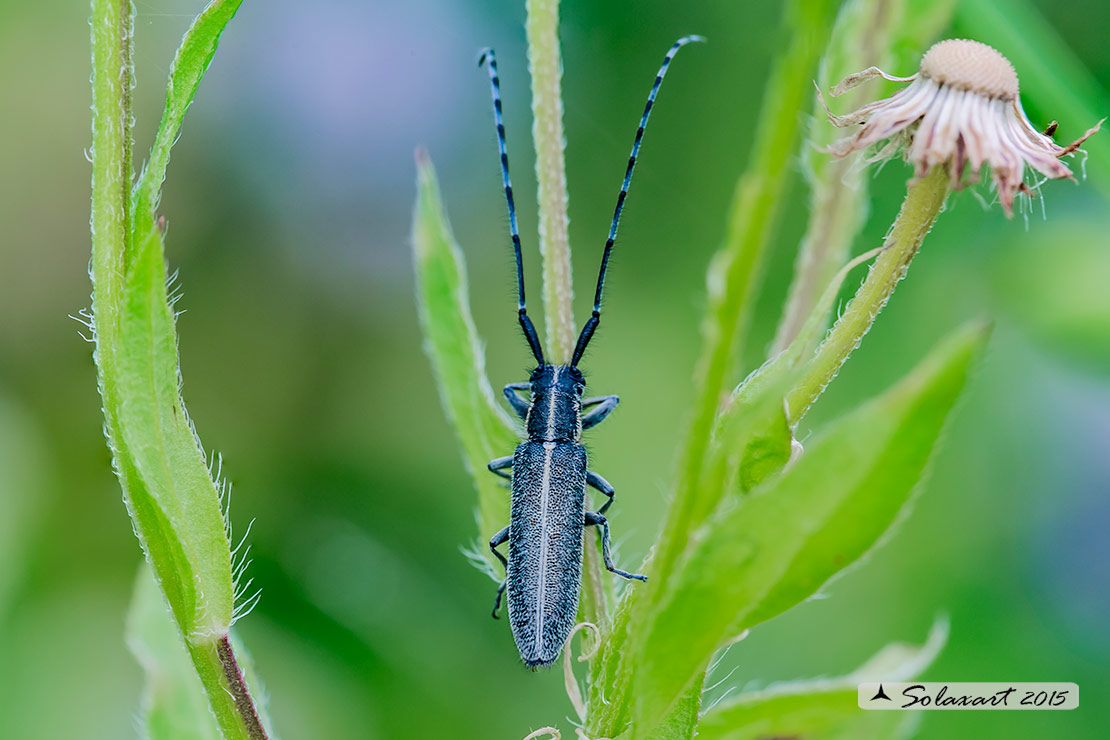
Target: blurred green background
[(288, 204)]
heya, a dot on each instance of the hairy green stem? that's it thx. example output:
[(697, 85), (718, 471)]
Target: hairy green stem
[(111, 29), (113, 254), (546, 67), (737, 268), (923, 203), (237, 685), (228, 695), (732, 280)]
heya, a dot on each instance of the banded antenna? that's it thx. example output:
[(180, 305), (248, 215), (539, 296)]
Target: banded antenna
[(592, 322), (522, 311)]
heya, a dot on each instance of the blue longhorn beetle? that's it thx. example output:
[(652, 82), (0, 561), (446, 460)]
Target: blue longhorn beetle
[(543, 572)]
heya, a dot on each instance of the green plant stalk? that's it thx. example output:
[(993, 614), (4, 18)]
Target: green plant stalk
[(732, 278), (737, 268), (923, 203), (115, 251), (111, 178), (545, 65), (219, 670)]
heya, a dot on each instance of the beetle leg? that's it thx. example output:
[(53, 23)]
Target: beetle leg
[(494, 542), (603, 532), (605, 406), (596, 481), (520, 406), (497, 601), (497, 465)]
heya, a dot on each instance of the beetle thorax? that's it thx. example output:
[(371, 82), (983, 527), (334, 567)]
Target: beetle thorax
[(556, 408)]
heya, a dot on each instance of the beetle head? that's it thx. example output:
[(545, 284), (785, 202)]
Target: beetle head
[(565, 379)]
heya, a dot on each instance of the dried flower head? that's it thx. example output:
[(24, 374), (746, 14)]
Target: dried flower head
[(962, 110)]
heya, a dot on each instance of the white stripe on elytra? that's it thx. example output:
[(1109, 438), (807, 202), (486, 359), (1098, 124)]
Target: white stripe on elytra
[(545, 489), (551, 406), (541, 597)]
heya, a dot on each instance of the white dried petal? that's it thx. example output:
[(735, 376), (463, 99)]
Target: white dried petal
[(857, 79)]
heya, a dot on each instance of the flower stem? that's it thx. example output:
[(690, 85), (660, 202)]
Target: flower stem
[(546, 67), (733, 280), (923, 203)]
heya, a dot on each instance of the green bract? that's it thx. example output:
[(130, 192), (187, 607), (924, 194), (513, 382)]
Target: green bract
[(484, 429)]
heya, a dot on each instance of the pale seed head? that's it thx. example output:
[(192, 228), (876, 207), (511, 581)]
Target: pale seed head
[(973, 66), (960, 111)]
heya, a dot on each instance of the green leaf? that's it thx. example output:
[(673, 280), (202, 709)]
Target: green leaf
[(189, 65), (753, 438), (816, 715), (766, 452), (736, 269), (458, 360), (167, 485), (754, 422), (174, 706), (789, 536), (825, 709), (173, 502), (156, 435), (682, 721), (767, 442), (733, 279)]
